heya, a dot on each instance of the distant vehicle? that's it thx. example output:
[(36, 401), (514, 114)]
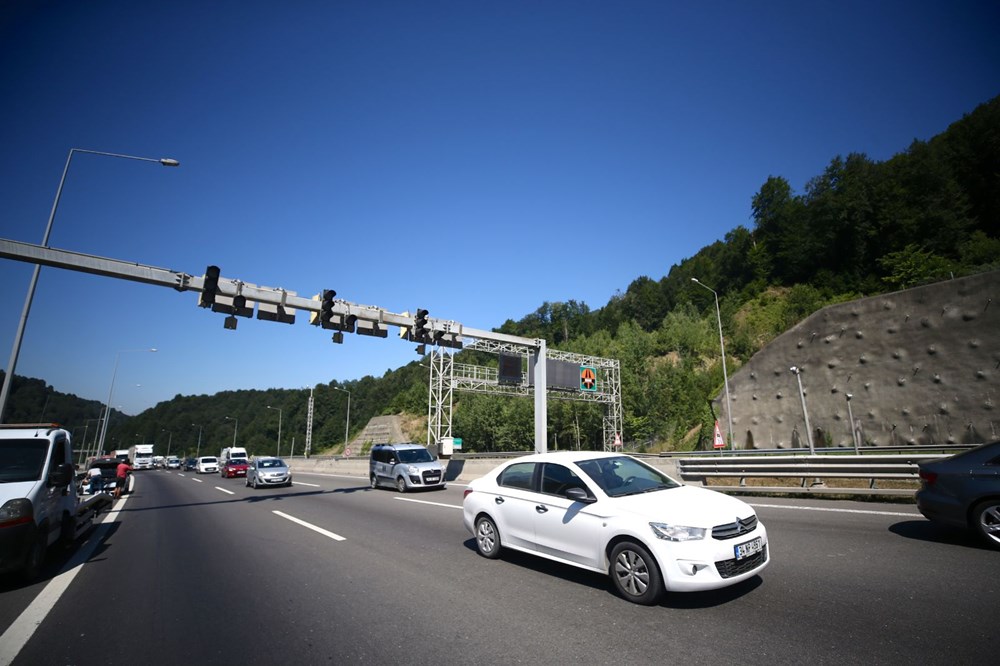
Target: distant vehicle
[(173, 462), (613, 514), (964, 491), (405, 467), (268, 471), (109, 473), (122, 454), (40, 504), (207, 465), (234, 467), (232, 453), (143, 457), (191, 465)]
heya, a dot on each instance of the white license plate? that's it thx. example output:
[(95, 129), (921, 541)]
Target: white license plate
[(433, 479), (745, 550)]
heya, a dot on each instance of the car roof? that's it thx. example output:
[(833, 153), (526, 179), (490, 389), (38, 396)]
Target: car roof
[(406, 445), (567, 456)]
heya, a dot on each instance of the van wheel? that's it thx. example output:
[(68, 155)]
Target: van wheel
[(374, 482), (36, 557), (400, 484)]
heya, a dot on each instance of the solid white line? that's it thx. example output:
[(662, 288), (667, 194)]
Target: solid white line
[(312, 485), (198, 480), (833, 510), (21, 630), (225, 491), (407, 499), (335, 537)]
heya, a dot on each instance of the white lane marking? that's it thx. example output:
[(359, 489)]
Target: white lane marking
[(198, 480), (21, 630), (335, 537), (833, 510), (179, 474), (312, 485), (447, 506), (225, 491)]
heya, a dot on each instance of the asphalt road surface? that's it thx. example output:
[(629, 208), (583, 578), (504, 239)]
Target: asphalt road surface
[(198, 569)]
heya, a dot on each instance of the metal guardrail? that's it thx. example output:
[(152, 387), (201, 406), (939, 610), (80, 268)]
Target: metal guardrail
[(834, 451), (811, 469)]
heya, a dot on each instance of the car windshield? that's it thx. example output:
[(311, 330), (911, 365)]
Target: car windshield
[(414, 456), (271, 463), (22, 459), (622, 475), (209, 460)]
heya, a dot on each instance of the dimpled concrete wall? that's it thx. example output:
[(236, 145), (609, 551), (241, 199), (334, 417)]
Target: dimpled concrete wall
[(921, 365)]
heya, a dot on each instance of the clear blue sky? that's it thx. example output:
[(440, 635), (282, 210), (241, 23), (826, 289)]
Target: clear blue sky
[(472, 158)]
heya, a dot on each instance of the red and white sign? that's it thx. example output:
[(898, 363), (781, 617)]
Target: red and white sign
[(719, 443), (618, 441)]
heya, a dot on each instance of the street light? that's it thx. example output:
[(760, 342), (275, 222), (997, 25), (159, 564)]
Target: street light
[(19, 335), (111, 391), (236, 426), (278, 454), (850, 417), (805, 413), (170, 438), (347, 424), (198, 450), (725, 374)]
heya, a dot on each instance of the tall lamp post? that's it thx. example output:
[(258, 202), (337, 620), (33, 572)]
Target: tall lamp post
[(805, 413), (278, 454), (854, 430), (19, 335), (725, 374), (236, 426), (170, 438), (111, 391), (198, 450), (347, 424)]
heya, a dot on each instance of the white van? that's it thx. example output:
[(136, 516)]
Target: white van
[(207, 465), (232, 453)]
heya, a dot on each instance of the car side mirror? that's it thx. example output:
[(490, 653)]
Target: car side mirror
[(62, 475), (579, 495)]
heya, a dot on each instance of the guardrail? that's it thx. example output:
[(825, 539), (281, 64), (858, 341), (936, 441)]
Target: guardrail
[(811, 469)]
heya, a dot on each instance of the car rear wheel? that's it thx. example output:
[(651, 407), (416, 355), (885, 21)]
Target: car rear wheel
[(487, 538), (635, 574), (986, 521), (400, 484)]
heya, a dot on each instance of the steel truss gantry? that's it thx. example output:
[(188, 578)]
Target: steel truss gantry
[(447, 376)]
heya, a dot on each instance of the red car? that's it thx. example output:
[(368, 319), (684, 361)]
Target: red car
[(235, 467)]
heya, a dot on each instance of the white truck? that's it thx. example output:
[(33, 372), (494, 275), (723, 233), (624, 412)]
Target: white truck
[(40, 501), (143, 457)]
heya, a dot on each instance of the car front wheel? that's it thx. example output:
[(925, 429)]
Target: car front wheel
[(487, 538), (374, 482), (635, 574), (986, 521), (401, 485)]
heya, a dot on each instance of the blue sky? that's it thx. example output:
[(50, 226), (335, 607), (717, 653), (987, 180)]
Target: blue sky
[(472, 158)]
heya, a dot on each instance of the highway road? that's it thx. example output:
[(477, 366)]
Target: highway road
[(198, 569)]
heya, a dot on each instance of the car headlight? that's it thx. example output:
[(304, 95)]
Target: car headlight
[(677, 532), (16, 512), (412, 470)]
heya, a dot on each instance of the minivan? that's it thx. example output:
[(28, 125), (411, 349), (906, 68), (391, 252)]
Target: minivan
[(404, 466)]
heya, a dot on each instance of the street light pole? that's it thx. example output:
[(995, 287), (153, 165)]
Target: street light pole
[(725, 373), (805, 413), (111, 391), (278, 455), (347, 424), (236, 426), (170, 438), (198, 450), (850, 417), (19, 334)]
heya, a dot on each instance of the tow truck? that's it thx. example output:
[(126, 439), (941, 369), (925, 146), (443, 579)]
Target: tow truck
[(40, 501)]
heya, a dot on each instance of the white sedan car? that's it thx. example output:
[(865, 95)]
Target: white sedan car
[(613, 514)]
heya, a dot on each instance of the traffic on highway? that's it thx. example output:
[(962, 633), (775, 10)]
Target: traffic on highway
[(331, 569)]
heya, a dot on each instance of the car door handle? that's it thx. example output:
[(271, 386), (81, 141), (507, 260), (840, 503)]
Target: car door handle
[(541, 508), (498, 500)]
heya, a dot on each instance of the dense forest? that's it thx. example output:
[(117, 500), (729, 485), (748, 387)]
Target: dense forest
[(860, 228)]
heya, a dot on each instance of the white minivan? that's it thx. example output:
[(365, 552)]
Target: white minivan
[(207, 465)]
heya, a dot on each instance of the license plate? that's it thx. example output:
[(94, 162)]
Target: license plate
[(745, 550), (433, 479)]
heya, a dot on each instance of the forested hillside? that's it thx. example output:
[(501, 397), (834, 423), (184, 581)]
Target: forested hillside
[(861, 227)]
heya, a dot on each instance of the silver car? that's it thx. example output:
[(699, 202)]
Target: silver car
[(405, 467), (268, 472)]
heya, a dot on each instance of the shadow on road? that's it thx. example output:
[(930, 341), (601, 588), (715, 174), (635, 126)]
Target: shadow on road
[(925, 530)]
